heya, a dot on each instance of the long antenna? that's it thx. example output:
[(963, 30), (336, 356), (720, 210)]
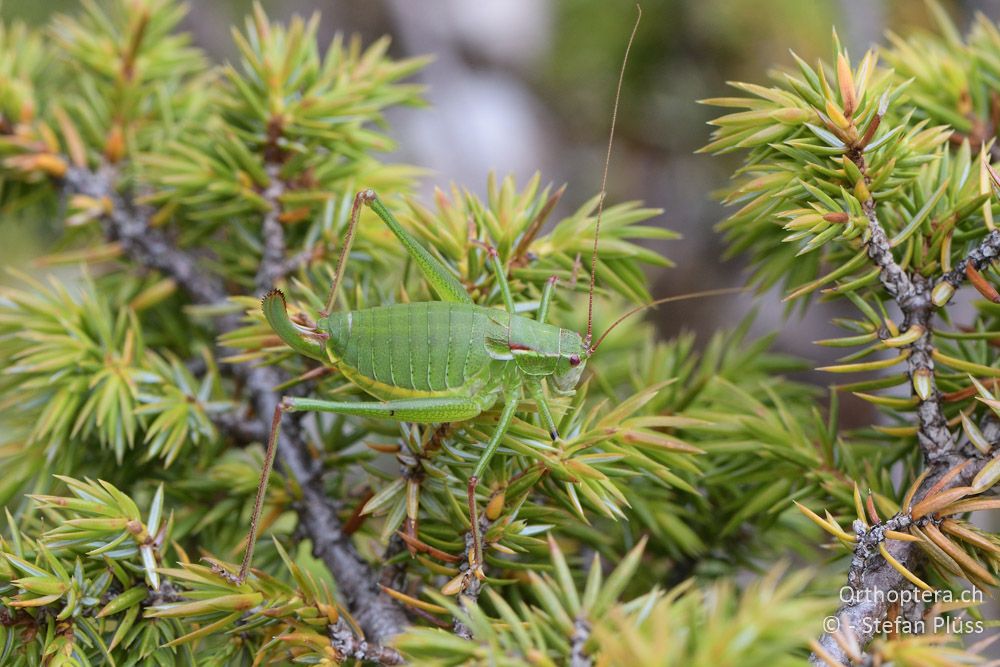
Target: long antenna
[(604, 181), (652, 304)]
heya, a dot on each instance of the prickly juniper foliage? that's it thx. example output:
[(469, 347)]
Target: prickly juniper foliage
[(871, 180), (138, 375)]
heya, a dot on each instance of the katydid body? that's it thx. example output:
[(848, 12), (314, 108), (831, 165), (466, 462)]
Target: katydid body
[(448, 350), (432, 362)]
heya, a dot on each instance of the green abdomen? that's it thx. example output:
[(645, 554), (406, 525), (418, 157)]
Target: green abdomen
[(421, 347)]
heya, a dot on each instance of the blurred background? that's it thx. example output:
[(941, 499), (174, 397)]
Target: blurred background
[(524, 85)]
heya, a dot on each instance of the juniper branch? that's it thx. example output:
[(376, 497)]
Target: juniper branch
[(892, 276), (272, 263), (871, 576), (129, 225), (347, 645), (912, 293), (925, 199), (244, 430), (581, 633), (981, 256)]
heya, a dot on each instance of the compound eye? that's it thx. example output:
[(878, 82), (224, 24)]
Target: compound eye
[(574, 360)]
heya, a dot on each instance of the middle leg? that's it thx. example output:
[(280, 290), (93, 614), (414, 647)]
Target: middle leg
[(506, 416)]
